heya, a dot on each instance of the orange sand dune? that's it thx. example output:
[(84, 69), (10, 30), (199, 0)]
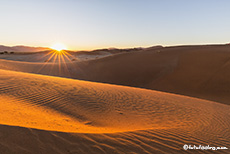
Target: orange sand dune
[(41, 114), (198, 71)]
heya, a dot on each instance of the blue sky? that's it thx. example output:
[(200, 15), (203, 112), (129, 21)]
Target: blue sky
[(88, 24)]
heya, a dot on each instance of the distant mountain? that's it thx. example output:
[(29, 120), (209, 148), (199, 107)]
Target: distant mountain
[(22, 49)]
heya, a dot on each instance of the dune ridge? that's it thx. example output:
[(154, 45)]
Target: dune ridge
[(103, 118)]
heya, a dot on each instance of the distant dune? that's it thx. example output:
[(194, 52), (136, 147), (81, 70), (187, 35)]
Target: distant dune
[(41, 54), (21, 49), (42, 114), (197, 71)]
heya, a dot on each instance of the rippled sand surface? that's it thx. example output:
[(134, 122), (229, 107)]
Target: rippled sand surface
[(43, 114)]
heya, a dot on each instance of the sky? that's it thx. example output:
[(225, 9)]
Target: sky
[(90, 24)]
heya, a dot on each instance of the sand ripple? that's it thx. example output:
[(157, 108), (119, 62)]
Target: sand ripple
[(71, 116)]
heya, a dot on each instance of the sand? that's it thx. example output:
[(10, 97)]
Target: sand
[(61, 114), (42, 114), (52, 56)]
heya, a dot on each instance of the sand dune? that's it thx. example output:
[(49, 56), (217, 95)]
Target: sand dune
[(51, 56), (42, 114), (197, 71), (21, 48)]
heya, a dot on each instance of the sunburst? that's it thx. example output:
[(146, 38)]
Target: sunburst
[(59, 56), (58, 47)]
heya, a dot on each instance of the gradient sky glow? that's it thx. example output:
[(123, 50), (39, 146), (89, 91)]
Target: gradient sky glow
[(88, 24)]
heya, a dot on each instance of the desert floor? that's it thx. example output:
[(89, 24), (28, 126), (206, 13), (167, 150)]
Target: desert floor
[(152, 100)]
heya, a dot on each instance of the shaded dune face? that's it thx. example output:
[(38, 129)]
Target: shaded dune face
[(102, 117), (197, 71)]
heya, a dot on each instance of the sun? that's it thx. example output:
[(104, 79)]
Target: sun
[(58, 47)]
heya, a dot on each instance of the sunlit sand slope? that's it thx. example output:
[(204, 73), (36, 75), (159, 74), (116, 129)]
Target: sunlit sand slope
[(41, 114)]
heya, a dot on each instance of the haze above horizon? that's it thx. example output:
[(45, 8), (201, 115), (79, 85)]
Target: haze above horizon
[(88, 24)]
